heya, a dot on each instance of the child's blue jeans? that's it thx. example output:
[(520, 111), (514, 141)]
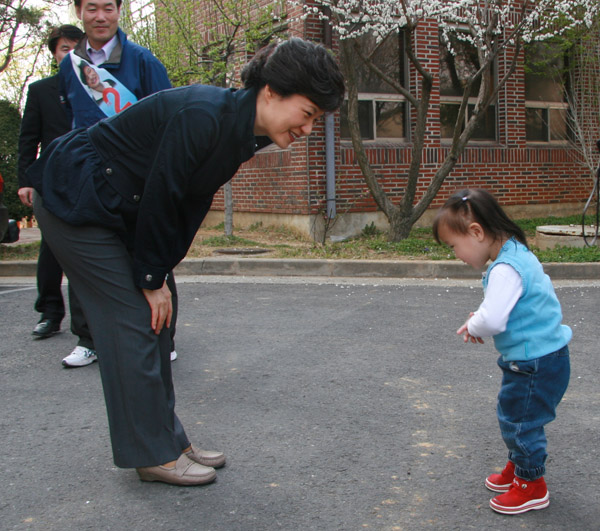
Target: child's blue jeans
[(527, 401)]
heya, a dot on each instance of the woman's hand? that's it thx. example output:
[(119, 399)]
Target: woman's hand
[(464, 331), (161, 306)]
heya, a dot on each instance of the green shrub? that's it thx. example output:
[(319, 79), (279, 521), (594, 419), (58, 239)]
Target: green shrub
[(10, 124), (370, 230)]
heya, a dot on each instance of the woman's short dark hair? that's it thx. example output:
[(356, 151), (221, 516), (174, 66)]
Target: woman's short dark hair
[(478, 206), (300, 67), (82, 65), (66, 31)]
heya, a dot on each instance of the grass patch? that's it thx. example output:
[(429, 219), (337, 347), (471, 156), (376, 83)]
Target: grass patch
[(25, 251), (368, 247), (568, 254), (280, 231), (420, 245), (228, 241), (371, 244)]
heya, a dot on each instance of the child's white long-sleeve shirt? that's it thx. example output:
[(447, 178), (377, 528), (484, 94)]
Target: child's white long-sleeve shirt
[(503, 291)]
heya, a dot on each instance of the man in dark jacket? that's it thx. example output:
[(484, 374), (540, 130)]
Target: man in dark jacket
[(106, 47), (45, 119), (130, 73)]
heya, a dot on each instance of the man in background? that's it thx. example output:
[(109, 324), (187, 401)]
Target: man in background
[(45, 119), (113, 56), (134, 73)]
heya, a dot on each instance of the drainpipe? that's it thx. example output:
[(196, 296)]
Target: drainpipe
[(329, 134), (330, 164)]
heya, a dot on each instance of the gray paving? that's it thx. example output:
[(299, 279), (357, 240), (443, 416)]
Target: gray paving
[(342, 404)]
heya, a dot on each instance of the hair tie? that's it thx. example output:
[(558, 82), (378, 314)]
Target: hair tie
[(465, 198)]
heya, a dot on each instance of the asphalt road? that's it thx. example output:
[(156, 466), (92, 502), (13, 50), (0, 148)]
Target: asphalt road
[(341, 405)]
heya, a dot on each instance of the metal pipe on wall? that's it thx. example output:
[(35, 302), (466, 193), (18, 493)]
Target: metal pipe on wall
[(330, 164), (329, 133)]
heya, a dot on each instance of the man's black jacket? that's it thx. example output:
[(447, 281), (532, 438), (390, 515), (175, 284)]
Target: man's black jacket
[(44, 119)]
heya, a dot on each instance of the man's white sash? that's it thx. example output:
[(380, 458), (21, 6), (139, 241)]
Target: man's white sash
[(102, 87)]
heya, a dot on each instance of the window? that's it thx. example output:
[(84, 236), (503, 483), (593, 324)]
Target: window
[(377, 118), (455, 71), (545, 93), (381, 113)]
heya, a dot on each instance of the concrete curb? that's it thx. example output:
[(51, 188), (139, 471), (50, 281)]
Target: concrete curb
[(241, 266), (18, 268)]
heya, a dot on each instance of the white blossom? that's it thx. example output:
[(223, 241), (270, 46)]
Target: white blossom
[(540, 20)]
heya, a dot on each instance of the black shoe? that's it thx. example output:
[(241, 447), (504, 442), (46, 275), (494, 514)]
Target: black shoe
[(46, 328)]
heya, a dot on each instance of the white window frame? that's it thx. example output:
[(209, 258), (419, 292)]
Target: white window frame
[(471, 101), (373, 98), (548, 106)]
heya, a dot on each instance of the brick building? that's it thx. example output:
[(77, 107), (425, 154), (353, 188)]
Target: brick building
[(520, 153)]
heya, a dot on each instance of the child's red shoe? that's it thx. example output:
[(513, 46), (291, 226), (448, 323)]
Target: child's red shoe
[(503, 481), (523, 496)]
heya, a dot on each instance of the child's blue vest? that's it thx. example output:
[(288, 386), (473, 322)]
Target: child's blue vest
[(534, 326)]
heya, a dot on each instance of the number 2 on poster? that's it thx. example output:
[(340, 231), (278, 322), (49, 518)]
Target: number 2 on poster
[(117, 99)]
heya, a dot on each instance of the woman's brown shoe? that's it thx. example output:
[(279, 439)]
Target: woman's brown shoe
[(206, 457), (185, 472)]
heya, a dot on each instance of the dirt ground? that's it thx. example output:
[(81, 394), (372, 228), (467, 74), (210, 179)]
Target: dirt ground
[(247, 241)]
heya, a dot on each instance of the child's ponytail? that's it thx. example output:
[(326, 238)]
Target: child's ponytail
[(479, 206)]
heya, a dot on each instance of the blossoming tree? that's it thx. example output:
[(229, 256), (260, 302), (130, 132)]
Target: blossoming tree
[(496, 31), (20, 23)]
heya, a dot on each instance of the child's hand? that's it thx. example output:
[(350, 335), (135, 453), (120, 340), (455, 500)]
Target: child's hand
[(464, 331)]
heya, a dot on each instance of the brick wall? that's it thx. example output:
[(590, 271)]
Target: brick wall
[(292, 181)]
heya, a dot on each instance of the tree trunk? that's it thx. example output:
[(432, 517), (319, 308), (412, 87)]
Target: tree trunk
[(400, 226), (404, 215)]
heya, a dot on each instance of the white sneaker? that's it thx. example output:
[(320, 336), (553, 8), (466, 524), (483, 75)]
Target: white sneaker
[(80, 357), (173, 356)]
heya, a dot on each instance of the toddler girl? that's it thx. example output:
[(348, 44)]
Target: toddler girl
[(521, 312)]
